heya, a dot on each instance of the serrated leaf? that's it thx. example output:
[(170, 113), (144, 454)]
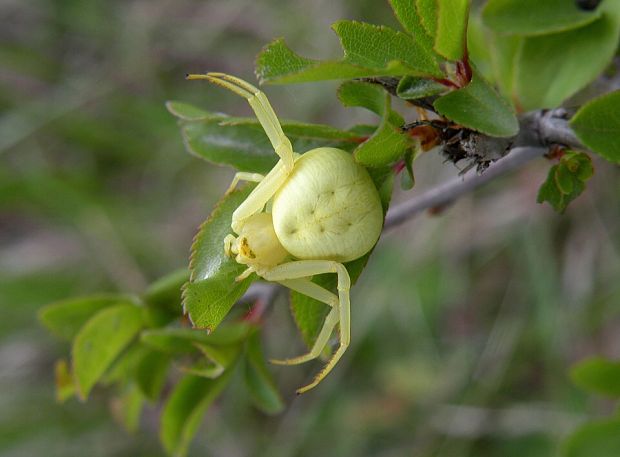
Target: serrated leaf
[(185, 408), (183, 340), (451, 35), (373, 46), (367, 95), (551, 68), (369, 51), (386, 145), (535, 17), (258, 379), (100, 341), (597, 125), (413, 87), (213, 289), (600, 439), (150, 374), (66, 317), (65, 386), (598, 375), (411, 21), (479, 107), (427, 11)]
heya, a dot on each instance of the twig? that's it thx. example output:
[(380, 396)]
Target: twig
[(538, 130), (450, 191)]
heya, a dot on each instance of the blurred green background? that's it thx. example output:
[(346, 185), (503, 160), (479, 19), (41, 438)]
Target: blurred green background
[(464, 324)]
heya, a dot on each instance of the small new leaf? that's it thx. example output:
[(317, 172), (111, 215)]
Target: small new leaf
[(213, 289), (597, 125), (598, 375), (386, 145), (413, 87), (566, 180)]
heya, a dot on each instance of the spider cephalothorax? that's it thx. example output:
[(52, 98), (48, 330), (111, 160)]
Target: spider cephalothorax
[(323, 209)]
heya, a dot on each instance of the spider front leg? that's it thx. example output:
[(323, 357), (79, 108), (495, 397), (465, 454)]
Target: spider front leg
[(306, 269), (243, 176), (262, 108)]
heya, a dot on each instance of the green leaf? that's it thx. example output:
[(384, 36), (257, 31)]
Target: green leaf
[(566, 180), (412, 88), (151, 372), (215, 361), (479, 107), (451, 36), (185, 408), (386, 145), (369, 51), (595, 439), (370, 96), (65, 387), (100, 341), (411, 21), (598, 375), (373, 46), (213, 289), (427, 10), (127, 408), (244, 147), (258, 379), (173, 340), (187, 112), (165, 293), (66, 317), (597, 125), (242, 143), (535, 17), (551, 68), (505, 51)]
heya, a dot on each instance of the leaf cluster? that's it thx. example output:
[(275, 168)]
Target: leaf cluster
[(140, 346)]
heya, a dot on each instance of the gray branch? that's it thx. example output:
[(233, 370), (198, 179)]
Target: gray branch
[(538, 130)]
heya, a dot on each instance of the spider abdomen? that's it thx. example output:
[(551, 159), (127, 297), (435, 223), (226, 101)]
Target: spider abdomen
[(328, 208)]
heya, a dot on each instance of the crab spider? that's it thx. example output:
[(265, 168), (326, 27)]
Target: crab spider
[(323, 210)]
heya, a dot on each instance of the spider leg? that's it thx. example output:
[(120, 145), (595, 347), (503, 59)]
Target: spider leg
[(307, 287), (305, 268), (260, 195), (262, 108), (243, 176)]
